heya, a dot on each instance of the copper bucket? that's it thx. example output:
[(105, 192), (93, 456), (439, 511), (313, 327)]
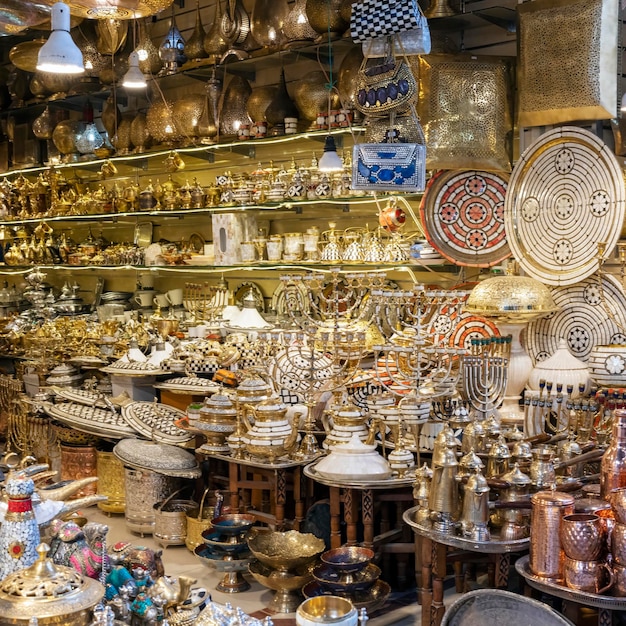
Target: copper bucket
[(147, 488), (79, 462), (546, 554), (111, 482), (198, 520), (170, 520)]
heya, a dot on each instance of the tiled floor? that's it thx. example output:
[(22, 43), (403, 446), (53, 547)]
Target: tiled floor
[(403, 611)]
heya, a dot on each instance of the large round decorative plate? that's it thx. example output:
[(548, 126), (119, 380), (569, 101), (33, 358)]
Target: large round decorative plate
[(462, 215), (156, 421), (591, 312), (566, 194), (117, 9)]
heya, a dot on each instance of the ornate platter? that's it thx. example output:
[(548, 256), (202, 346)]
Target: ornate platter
[(591, 312), (156, 421), (189, 384), (566, 194), (463, 217), (89, 419), (80, 396)]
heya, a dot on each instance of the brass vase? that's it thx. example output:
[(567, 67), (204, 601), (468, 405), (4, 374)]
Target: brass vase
[(121, 140), (111, 116), (328, 16), (311, 95), (214, 42), (267, 19), (64, 136), (207, 126), (43, 125), (139, 135), (282, 105), (296, 27), (259, 100), (149, 59), (233, 111), (194, 46), (348, 75), (111, 35), (187, 113)]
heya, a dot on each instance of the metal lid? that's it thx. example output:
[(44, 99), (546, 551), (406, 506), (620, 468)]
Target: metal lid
[(46, 590), (158, 457), (552, 498), (516, 477)]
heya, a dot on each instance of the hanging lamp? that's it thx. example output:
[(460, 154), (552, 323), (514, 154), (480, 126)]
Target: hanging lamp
[(60, 55)]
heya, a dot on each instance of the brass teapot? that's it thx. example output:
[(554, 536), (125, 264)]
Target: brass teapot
[(272, 435)]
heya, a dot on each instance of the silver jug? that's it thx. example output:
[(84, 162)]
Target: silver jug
[(475, 515)]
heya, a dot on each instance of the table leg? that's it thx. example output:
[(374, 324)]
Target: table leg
[(280, 497), (418, 566), (427, 581), (335, 517), (605, 617), (233, 485), (367, 512), (503, 566), (352, 516), (297, 496), (437, 608)]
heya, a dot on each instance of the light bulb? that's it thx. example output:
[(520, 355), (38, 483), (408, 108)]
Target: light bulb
[(623, 105), (60, 55)]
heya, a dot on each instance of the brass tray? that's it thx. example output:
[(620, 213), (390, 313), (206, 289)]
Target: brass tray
[(566, 194)]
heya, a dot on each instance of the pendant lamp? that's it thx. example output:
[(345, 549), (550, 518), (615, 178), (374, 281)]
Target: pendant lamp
[(134, 78), (60, 54)]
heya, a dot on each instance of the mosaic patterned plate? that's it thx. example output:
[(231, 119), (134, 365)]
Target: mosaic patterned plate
[(566, 193), (100, 422), (80, 396), (591, 312), (463, 217), (189, 384), (156, 421)]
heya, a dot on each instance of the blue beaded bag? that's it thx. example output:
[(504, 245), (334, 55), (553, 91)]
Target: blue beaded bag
[(385, 88)]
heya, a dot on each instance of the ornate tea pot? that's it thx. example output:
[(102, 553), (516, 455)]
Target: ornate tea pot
[(272, 435), (340, 423)]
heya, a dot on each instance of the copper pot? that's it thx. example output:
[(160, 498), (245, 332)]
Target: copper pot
[(588, 576), (618, 543), (583, 536)]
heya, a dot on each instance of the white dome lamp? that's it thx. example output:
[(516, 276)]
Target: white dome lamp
[(134, 77), (60, 55)]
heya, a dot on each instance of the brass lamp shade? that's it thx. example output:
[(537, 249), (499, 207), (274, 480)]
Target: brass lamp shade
[(513, 299)]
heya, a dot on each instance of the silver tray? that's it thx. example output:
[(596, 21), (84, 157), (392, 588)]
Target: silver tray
[(493, 546), (561, 591), (156, 421), (188, 384), (89, 419), (387, 483), (157, 457)]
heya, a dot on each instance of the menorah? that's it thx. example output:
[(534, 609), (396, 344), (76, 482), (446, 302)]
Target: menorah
[(202, 301), (484, 372), (418, 364), (326, 344)]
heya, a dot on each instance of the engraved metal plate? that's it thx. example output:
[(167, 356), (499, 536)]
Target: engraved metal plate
[(156, 421), (566, 193), (463, 217), (592, 312)]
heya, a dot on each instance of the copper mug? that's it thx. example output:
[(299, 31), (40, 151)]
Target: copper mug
[(618, 543), (587, 576), (583, 536), (617, 498), (619, 582)]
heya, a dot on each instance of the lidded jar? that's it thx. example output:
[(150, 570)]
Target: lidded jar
[(217, 419), (613, 464)]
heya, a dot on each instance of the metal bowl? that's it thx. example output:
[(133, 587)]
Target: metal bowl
[(219, 563), (216, 545), (280, 581), (286, 550), (233, 524), (371, 600), (330, 578), (348, 559)]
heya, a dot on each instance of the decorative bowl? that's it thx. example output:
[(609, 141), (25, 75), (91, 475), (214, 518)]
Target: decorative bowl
[(286, 550), (216, 545), (330, 578), (233, 524), (348, 560)]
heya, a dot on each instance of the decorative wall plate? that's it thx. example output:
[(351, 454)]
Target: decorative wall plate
[(156, 421), (566, 194), (591, 313), (294, 297), (241, 291), (463, 217)]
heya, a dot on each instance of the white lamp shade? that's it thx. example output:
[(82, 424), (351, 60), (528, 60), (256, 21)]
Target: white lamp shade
[(330, 161), (60, 55), (134, 78)]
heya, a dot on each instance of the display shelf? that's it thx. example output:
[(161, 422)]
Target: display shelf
[(275, 208)]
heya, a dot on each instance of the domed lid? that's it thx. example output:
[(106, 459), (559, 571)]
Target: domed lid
[(516, 477), (423, 473), (471, 461), (477, 483), (158, 457), (45, 590), (552, 498), (271, 405), (562, 359)]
